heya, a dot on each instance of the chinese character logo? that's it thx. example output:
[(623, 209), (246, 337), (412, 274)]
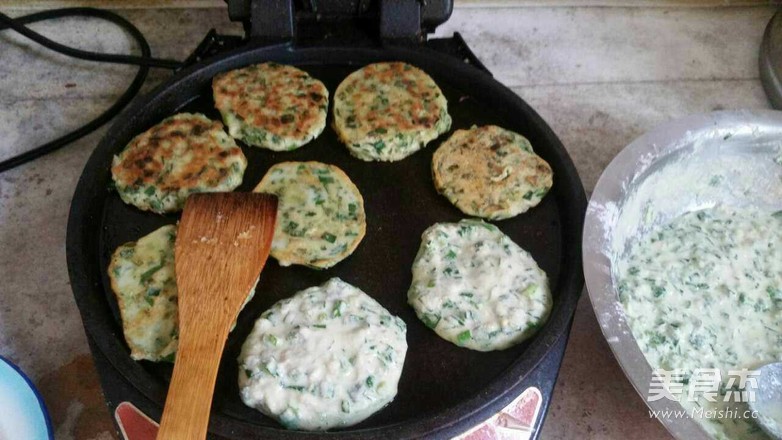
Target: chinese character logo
[(666, 384), (737, 386), (705, 382), (741, 385)]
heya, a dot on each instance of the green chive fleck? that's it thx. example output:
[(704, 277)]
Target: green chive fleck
[(290, 229), (152, 292), (430, 320), (774, 294), (338, 307), (148, 274), (529, 290), (265, 368)]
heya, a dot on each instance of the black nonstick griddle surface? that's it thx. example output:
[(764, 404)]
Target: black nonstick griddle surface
[(443, 388)]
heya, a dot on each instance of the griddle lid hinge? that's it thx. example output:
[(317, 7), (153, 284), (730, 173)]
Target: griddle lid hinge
[(394, 21), (272, 20), (400, 21)]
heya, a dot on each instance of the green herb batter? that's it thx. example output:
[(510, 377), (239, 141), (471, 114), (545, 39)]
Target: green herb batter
[(705, 291)]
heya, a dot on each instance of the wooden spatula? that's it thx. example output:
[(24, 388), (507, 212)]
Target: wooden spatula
[(222, 243)]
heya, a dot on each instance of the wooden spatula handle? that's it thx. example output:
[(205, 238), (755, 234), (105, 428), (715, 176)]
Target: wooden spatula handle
[(186, 414), (222, 243)]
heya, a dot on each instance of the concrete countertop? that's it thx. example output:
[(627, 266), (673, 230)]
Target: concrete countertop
[(600, 76)]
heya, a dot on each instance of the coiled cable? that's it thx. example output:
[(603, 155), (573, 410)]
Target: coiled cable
[(145, 61)]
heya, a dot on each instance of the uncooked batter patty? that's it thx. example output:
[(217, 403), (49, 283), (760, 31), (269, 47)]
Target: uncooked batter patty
[(476, 288), (329, 356)]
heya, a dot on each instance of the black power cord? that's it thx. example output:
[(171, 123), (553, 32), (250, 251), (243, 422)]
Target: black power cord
[(145, 61)]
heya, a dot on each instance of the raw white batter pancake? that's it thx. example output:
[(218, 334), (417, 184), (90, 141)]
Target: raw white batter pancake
[(476, 288), (329, 356)]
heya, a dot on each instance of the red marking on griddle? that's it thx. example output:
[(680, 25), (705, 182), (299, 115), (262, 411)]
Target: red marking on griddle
[(525, 407), (514, 422), (134, 424)]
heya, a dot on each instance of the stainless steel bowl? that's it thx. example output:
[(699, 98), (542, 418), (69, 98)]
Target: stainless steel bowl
[(649, 183)]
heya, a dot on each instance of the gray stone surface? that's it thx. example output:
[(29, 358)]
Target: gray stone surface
[(595, 121), (599, 76), (543, 46)]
